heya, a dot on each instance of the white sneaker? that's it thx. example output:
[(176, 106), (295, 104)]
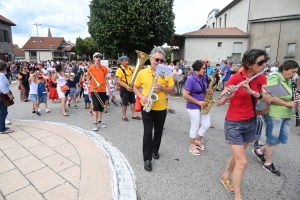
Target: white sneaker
[(39, 110), (7, 121), (95, 127), (102, 125), (47, 110)]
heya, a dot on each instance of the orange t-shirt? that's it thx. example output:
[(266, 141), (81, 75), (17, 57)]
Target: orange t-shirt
[(100, 75)]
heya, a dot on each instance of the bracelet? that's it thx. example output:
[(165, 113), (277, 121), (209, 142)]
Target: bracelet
[(260, 95)]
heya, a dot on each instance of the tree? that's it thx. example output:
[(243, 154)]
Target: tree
[(123, 26), (80, 47), (85, 47)]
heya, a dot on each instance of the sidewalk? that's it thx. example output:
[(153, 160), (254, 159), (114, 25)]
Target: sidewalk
[(50, 161)]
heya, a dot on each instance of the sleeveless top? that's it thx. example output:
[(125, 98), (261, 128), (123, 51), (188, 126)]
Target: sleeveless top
[(61, 80)]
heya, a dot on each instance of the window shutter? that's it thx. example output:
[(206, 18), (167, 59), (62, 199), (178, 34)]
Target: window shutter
[(8, 37), (1, 36)]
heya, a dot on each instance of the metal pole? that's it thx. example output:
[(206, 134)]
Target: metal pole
[(37, 35)]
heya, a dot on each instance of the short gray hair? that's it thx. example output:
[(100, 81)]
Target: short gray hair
[(157, 50), (3, 65)]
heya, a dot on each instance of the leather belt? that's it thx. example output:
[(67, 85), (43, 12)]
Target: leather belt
[(249, 120)]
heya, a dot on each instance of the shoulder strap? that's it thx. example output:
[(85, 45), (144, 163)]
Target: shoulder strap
[(124, 74)]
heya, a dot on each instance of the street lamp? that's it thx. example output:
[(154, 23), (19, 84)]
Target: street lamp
[(37, 35)]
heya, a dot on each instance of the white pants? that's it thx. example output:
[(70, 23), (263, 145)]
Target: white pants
[(197, 119)]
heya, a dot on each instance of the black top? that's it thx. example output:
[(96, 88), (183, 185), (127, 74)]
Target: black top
[(25, 79), (71, 84)]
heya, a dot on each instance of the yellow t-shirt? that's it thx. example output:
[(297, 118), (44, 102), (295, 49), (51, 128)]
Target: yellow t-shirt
[(129, 71), (144, 79)]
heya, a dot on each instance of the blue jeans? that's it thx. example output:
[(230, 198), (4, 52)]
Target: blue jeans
[(223, 84), (3, 114), (277, 129)]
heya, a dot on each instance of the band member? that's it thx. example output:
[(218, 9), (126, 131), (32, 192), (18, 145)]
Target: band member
[(124, 76), (156, 117), (240, 120), (278, 118), (194, 92), (97, 75)]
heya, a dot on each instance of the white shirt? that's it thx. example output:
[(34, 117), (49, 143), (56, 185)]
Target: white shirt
[(112, 84), (274, 69), (85, 91), (179, 72), (33, 88)]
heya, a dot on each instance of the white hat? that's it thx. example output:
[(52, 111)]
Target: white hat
[(97, 53), (72, 74)]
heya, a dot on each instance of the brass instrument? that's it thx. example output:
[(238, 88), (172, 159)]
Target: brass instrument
[(142, 58), (152, 96), (208, 99), (93, 88)]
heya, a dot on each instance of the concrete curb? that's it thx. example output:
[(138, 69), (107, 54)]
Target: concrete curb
[(123, 180)]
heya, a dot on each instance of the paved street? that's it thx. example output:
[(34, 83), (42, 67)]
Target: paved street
[(177, 174)]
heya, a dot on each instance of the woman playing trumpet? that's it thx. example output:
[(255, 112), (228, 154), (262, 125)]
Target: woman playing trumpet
[(240, 120)]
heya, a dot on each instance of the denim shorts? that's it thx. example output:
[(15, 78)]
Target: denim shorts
[(239, 132), (277, 129), (86, 98), (42, 99), (33, 97), (72, 91)]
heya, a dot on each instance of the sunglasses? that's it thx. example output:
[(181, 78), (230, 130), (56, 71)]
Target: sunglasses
[(260, 63), (159, 60), (98, 57)]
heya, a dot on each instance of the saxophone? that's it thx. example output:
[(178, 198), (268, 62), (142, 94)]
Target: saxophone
[(152, 96), (209, 100)]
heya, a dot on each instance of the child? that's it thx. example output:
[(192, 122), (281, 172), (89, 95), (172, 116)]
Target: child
[(106, 101), (86, 96), (33, 93), (53, 95), (73, 89), (42, 94), (112, 85)]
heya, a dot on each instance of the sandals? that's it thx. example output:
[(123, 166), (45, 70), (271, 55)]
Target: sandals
[(125, 119), (7, 131), (200, 146), (66, 114), (194, 150), (227, 184)]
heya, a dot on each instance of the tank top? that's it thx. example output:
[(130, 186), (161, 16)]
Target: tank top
[(61, 80), (33, 88)]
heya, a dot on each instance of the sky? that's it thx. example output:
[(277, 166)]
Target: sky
[(68, 18)]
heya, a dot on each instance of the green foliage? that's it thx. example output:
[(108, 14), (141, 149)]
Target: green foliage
[(85, 47), (123, 26)]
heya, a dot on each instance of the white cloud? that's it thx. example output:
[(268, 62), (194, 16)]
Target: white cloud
[(68, 18)]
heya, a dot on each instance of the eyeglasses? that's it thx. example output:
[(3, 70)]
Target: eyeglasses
[(260, 63), (159, 60), (98, 57)]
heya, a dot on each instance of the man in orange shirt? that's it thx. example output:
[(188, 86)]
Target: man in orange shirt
[(98, 72)]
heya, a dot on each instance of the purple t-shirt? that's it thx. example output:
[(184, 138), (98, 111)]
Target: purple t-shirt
[(197, 89)]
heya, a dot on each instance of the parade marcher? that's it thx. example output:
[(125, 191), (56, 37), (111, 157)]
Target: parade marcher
[(24, 84), (61, 80), (240, 120), (156, 117), (225, 75), (97, 74), (278, 118), (194, 92), (4, 89), (124, 76)]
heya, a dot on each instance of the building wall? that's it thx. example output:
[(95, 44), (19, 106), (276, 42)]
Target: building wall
[(45, 55), (195, 48), (6, 47), (237, 16), (271, 8), (211, 18), (27, 56)]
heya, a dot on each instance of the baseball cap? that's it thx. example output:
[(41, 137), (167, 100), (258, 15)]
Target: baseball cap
[(122, 58), (97, 53), (39, 77), (72, 74)]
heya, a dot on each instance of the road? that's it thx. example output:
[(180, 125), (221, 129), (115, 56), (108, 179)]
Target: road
[(178, 174)]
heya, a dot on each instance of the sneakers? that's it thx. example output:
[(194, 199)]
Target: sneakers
[(39, 110), (76, 107), (102, 125), (271, 169), (47, 110), (106, 112), (258, 144), (33, 111), (69, 105), (95, 127), (261, 158), (171, 111), (116, 104), (7, 122), (38, 113), (90, 113)]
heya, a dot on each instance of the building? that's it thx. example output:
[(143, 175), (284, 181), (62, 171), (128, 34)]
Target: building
[(19, 54), (6, 43), (49, 48)]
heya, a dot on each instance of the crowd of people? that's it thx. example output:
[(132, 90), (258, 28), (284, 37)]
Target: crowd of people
[(97, 84)]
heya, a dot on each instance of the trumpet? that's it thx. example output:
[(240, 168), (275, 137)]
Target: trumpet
[(239, 85)]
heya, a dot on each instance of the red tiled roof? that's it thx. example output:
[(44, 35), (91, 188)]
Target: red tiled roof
[(7, 21), (217, 32), (18, 52), (47, 43)]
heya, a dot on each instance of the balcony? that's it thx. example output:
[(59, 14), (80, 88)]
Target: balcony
[(32, 57)]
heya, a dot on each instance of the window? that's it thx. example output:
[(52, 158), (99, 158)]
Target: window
[(5, 37), (32, 53), (213, 24), (291, 49), (225, 19), (220, 22), (219, 44), (237, 47), (268, 50)]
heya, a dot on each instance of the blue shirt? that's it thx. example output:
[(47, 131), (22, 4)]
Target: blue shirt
[(182, 67), (210, 71), (227, 75), (41, 89), (4, 84)]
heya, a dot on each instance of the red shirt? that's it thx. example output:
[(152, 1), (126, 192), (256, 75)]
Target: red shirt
[(241, 107)]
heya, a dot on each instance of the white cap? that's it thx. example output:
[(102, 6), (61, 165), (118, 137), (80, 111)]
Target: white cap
[(97, 53), (72, 74)]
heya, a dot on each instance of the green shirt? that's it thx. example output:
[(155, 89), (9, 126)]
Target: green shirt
[(278, 111)]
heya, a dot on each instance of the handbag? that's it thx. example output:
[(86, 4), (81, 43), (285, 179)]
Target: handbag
[(64, 88), (6, 100)]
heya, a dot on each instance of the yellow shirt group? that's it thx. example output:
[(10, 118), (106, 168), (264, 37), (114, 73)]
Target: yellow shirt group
[(144, 79)]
